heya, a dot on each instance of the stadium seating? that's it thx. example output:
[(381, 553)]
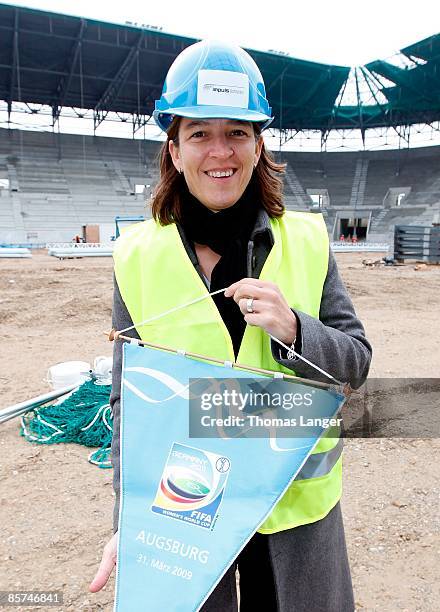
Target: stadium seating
[(366, 184), (58, 183)]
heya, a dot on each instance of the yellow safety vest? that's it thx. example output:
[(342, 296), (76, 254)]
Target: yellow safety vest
[(155, 274)]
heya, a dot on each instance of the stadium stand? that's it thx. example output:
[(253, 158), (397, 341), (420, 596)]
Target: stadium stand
[(369, 185), (58, 183), (52, 184)]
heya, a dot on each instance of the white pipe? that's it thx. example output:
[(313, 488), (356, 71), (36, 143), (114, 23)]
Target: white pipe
[(15, 252)]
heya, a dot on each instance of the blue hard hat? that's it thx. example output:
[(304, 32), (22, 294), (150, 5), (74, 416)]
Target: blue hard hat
[(211, 80)]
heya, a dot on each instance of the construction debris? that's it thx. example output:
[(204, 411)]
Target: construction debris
[(372, 263)]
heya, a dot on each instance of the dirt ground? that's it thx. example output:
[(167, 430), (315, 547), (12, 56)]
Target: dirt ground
[(56, 508)]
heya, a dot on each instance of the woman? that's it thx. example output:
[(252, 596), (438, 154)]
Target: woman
[(220, 222)]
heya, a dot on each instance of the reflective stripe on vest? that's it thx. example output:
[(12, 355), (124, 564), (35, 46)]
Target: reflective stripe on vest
[(321, 464), (155, 274)]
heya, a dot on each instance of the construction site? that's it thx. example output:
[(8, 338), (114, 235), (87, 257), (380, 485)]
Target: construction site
[(60, 190)]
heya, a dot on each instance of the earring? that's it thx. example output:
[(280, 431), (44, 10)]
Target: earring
[(180, 171)]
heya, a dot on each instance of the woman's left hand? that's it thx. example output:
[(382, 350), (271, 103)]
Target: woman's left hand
[(271, 312)]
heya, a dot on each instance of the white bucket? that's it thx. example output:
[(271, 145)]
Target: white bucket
[(67, 373), (103, 365)]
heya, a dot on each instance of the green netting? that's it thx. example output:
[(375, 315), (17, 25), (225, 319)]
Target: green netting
[(84, 417)]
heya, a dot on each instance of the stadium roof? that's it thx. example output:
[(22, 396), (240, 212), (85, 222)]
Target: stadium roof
[(65, 61)]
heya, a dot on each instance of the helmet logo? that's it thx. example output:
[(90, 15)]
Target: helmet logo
[(223, 88)]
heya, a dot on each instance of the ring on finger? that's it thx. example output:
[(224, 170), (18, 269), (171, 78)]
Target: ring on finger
[(250, 305)]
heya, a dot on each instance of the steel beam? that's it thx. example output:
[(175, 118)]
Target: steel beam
[(113, 90), (359, 103), (66, 80), (14, 66), (139, 121), (367, 76), (62, 73)]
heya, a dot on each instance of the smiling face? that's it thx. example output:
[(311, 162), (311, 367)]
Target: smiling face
[(217, 157)]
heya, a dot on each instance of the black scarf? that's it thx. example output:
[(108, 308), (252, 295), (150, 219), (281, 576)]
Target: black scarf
[(226, 232), (221, 230)]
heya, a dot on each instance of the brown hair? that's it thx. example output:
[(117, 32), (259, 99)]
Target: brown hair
[(167, 205)]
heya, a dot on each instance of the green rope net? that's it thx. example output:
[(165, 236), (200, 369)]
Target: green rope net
[(84, 417)]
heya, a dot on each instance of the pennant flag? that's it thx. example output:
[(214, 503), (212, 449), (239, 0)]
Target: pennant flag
[(194, 486)]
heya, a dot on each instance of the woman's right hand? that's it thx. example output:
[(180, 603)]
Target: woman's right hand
[(106, 566)]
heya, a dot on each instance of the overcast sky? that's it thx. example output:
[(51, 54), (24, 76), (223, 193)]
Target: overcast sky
[(345, 32)]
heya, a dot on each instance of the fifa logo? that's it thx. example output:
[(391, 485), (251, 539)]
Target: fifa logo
[(192, 485)]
